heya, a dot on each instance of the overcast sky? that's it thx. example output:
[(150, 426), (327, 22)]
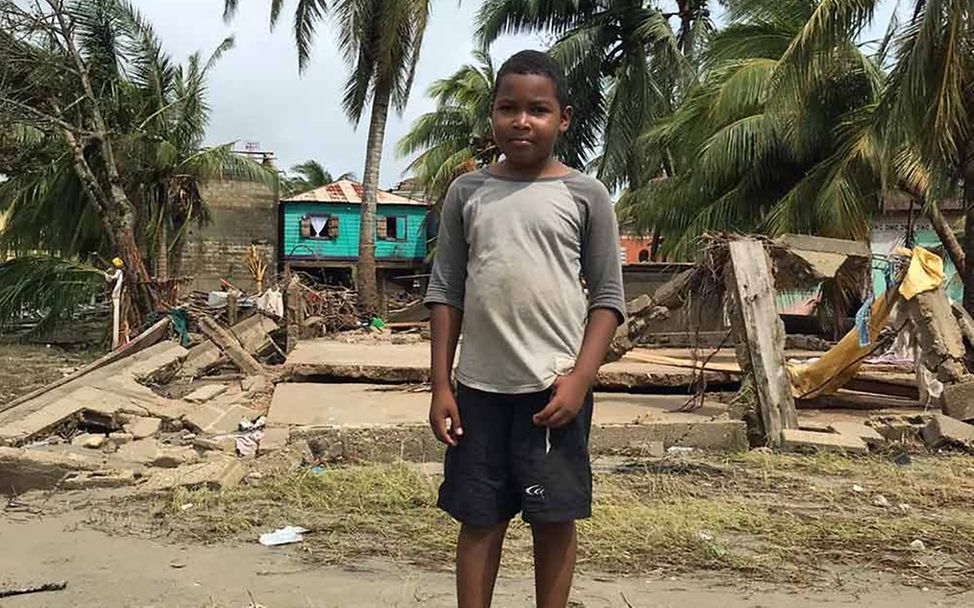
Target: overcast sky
[(257, 95)]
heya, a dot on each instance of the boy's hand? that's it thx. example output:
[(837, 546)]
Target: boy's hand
[(567, 395), (443, 408)]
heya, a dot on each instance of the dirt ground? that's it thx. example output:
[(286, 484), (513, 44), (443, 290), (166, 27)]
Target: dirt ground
[(116, 571), (24, 368)]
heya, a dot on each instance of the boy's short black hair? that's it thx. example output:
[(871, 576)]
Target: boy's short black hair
[(541, 64)]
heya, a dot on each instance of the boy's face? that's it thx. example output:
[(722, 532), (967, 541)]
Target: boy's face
[(527, 118)]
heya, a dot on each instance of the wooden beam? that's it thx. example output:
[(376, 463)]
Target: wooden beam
[(761, 336), (229, 344)]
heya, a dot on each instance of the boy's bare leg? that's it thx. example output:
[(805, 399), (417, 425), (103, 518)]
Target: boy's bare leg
[(478, 559), (554, 562)]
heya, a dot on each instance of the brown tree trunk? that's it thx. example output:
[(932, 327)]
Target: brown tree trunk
[(162, 251), (968, 267), (365, 280), (953, 247)]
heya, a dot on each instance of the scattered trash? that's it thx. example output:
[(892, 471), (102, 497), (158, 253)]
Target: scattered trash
[(177, 565), (704, 536), (881, 501), (676, 449), (918, 545), (271, 302), (904, 508), (247, 444), (858, 489), (250, 425), (283, 536), (187, 506)]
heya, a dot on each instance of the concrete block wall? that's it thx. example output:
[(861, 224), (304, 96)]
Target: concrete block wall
[(242, 213)]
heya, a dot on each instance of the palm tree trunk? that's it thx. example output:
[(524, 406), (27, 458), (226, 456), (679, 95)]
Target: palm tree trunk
[(953, 247), (162, 251), (968, 267), (365, 280)]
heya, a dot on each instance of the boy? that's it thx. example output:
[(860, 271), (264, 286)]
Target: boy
[(514, 240)]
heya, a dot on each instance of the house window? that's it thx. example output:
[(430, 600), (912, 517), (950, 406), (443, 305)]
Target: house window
[(643, 255), (391, 228), (319, 226)]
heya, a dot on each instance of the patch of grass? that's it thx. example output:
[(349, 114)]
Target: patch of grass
[(774, 517)]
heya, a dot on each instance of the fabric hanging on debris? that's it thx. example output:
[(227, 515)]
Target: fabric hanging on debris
[(862, 320), (837, 366)]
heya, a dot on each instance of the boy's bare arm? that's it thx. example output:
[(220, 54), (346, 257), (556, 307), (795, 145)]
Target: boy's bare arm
[(445, 324), (568, 392)]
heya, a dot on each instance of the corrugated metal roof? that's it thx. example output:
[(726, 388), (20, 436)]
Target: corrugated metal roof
[(347, 191)]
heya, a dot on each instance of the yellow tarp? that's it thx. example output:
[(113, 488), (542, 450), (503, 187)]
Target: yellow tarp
[(837, 366)]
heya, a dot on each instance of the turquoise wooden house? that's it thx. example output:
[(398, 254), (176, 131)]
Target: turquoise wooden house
[(320, 229)]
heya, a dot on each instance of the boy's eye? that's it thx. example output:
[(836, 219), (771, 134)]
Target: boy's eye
[(539, 109)]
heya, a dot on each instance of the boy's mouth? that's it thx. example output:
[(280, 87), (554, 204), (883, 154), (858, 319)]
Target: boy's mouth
[(520, 142)]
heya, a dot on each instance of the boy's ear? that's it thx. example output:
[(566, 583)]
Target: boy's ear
[(566, 118)]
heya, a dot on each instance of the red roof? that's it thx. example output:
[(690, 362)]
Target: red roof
[(347, 191)]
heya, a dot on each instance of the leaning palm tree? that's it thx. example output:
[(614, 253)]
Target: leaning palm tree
[(626, 65), (380, 40), (751, 154), (927, 109), (456, 137)]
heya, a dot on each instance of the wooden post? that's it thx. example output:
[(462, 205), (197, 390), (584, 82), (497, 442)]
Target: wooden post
[(293, 312), (939, 335), (233, 307), (761, 336), (230, 345)]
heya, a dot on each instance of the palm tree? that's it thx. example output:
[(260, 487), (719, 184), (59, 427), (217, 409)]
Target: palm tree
[(927, 110), (456, 137), (380, 40), (157, 115), (626, 67), (310, 175), (750, 153)]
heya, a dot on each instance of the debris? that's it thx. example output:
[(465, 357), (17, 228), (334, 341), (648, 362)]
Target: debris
[(798, 441), (250, 425), (177, 565), (881, 501), (112, 478), (222, 443), (220, 416), (150, 452), (283, 536), (958, 401), (856, 429), (142, 427), (941, 342), (944, 430), (271, 302), (22, 469), (248, 443), (222, 473), (229, 344), (904, 508), (205, 393), (89, 440), (858, 489), (274, 439), (253, 385), (762, 334), (918, 545), (120, 439), (675, 449), (34, 589)]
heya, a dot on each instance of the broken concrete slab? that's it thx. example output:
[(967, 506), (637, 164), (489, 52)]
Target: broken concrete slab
[(205, 393), (23, 469), (159, 363), (89, 480), (121, 438), (385, 362), (223, 443), (958, 401), (274, 439), (944, 431), (219, 416), (795, 440), (103, 403), (142, 427), (149, 452), (218, 474), (89, 440), (868, 434)]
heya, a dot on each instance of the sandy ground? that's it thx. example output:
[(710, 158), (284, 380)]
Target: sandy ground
[(110, 572)]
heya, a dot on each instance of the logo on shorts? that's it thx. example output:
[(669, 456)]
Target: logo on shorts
[(537, 490)]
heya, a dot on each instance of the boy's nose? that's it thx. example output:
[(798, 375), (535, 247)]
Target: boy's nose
[(521, 120)]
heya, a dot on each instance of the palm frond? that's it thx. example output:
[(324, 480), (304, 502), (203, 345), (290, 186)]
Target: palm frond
[(48, 287)]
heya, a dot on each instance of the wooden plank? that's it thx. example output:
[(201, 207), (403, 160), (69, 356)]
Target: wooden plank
[(229, 344), (143, 341), (713, 366), (761, 335)]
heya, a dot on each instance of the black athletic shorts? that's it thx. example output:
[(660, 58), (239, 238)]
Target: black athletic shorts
[(504, 463)]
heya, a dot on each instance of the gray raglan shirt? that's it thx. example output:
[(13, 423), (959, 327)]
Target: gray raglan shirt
[(511, 255)]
